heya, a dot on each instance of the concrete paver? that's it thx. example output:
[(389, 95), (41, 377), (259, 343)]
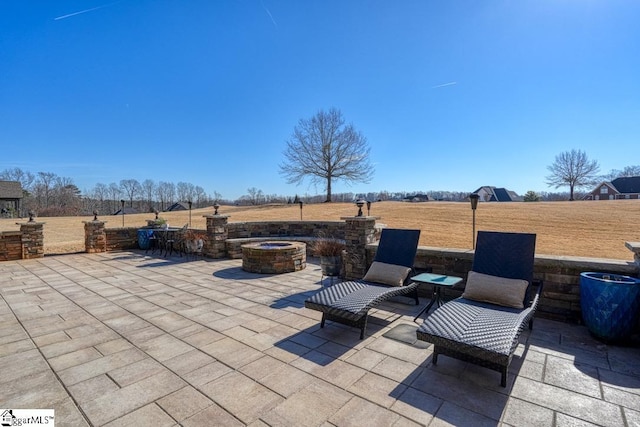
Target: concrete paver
[(122, 338)]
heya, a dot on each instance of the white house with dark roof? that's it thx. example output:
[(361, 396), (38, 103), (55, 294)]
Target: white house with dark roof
[(626, 187)]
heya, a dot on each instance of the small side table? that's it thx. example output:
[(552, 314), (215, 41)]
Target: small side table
[(438, 281)]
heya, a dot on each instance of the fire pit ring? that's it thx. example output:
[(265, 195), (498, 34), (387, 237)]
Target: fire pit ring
[(274, 257)]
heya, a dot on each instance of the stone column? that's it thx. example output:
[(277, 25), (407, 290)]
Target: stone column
[(95, 237), (217, 233), (359, 232), (32, 239)]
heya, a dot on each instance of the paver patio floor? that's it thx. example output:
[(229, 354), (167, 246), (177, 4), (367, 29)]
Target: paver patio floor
[(123, 339)]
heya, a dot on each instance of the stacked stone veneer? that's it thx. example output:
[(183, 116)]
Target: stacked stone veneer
[(95, 237), (257, 258), (121, 238), (28, 243), (239, 230), (359, 232), (217, 234), (10, 245), (32, 239)]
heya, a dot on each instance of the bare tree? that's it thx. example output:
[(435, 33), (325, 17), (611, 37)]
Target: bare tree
[(186, 191), (627, 171), (101, 192), (574, 169), (165, 192), (16, 174), (131, 187), (324, 149), (200, 196), (255, 196), (43, 188), (114, 193), (148, 188)]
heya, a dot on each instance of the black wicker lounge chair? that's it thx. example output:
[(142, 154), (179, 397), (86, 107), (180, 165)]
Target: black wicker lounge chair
[(349, 302), (483, 326)]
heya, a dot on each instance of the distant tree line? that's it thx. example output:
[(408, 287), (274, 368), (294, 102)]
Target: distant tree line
[(51, 195)]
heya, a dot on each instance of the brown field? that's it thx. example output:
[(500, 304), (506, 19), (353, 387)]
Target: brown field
[(582, 228)]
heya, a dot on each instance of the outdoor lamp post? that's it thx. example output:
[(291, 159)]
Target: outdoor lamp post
[(300, 202), (95, 214), (473, 198), (190, 203), (368, 208), (215, 207), (122, 209), (155, 211), (360, 204)]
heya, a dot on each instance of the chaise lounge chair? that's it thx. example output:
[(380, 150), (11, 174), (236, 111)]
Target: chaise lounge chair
[(349, 302), (483, 326)]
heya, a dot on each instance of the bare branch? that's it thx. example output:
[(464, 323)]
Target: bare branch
[(324, 149), (572, 168)]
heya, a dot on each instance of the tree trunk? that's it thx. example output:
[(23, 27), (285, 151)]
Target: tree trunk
[(328, 189)]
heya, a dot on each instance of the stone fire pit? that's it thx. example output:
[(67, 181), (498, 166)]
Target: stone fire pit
[(274, 257)]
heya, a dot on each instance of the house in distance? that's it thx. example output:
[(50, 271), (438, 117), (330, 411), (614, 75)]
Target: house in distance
[(494, 194), (626, 187)]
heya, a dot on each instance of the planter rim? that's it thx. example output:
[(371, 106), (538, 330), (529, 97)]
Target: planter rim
[(613, 278)]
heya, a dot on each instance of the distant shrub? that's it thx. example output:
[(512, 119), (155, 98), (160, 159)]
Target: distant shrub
[(531, 196)]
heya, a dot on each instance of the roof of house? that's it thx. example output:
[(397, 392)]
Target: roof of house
[(178, 206), (499, 194), (10, 190), (127, 211), (627, 184)]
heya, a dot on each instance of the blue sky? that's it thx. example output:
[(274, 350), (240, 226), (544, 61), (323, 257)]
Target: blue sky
[(451, 95)]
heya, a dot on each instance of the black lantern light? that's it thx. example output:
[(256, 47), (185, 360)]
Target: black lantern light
[(473, 198), (95, 215), (31, 215), (360, 204), (215, 207)]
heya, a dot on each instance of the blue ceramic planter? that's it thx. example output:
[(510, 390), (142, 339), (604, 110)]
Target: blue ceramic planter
[(610, 304), (143, 238)]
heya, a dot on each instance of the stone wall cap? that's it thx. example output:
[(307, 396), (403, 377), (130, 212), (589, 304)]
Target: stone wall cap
[(360, 218), (633, 246), (215, 216), (95, 222), (31, 223)]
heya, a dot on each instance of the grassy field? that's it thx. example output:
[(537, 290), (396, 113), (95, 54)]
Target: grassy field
[(583, 228)]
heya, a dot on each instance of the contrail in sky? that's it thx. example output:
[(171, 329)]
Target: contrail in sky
[(270, 15), (444, 84), (84, 11)]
